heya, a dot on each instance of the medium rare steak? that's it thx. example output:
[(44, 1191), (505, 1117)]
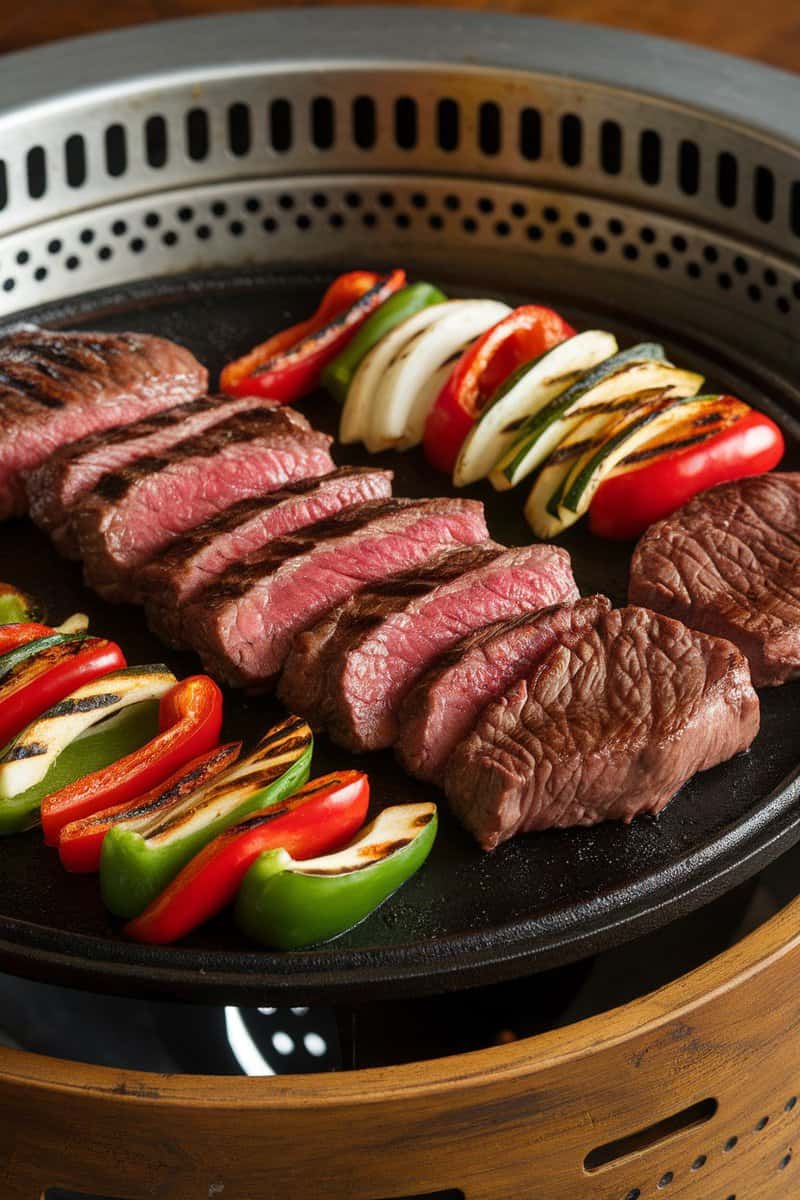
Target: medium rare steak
[(58, 387), (609, 724), (728, 563), (132, 514), (74, 469), (351, 671), (244, 624), (444, 704), (193, 561)]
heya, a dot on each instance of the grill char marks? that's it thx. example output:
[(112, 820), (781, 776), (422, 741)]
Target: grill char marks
[(58, 387)]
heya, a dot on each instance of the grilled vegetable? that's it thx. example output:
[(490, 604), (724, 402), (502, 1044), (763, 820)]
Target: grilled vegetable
[(17, 606), (143, 853), (21, 634), (25, 767), (286, 904), (295, 368), (318, 818), (524, 393), (726, 441), (190, 718), (517, 338), (338, 375)]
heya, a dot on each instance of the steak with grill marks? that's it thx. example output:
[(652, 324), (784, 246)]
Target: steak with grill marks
[(609, 724), (352, 670), (728, 563), (244, 624), (57, 387), (55, 486), (444, 704), (132, 514), (193, 561)]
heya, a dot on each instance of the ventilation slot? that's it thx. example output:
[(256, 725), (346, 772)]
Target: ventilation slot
[(530, 133), (764, 194), (645, 1139), (322, 122), (727, 180), (650, 157), (689, 168), (611, 147), (364, 122), (3, 185), (116, 150), (155, 141), (794, 201), (448, 125), (75, 160), (280, 126), (405, 123), (197, 137), (239, 132), (489, 128), (36, 171), (571, 140)]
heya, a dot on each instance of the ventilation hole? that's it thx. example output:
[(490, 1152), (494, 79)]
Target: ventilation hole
[(39, 274), (322, 122), (386, 200), (584, 220), (566, 237), (239, 131), (724, 280), (155, 141), (535, 233), (764, 194), (36, 168), (794, 202), (530, 134), (8, 285), (319, 200), (203, 232), (119, 228), (754, 293), (269, 224), (650, 157), (405, 123), (792, 1101), (197, 137), (419, 199), (104, 253), (770, 277), (571, 140), (3, 184), (469, 225), (303, 222), (369, 219), (783, 1164), (633, 1194), (666, 1179), (185, 214), (490, 135), (136, 245), (599, 245), (452, 203), (252, 204), (611, 147), (436, 222), (448, 125), (169, 238), (727, 180), (280, 126), (783, 305), (741, 265), (286, 201), (689, 167), (336, 220), (710, 254), (503, 229), (616, 226), (518, 209), (486, 204), (54, 246), (551, 214), (75, 160), (364, 122), (402, 220), (642, 1139), (116, 148), (694, 270), (152, 220), (663, 261), (22, 257), (679, 244), (762, 1124), (236, 229), (352, 200), (647, 235), (630, 251), (219, 208), (699, 1162)]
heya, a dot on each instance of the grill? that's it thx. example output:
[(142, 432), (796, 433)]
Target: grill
[(202, 173)]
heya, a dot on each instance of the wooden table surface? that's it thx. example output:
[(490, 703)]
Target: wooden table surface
[(772, 35)]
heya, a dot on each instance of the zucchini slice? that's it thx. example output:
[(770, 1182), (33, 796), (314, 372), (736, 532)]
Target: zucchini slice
[(624, 374), (523, 394)]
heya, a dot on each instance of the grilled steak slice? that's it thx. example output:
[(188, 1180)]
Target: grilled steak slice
[(74, 469), (58, 387), (728, 563), (244, 624), (196, 559), (444, 704), (351, 671), (609, 724), (132, 514)]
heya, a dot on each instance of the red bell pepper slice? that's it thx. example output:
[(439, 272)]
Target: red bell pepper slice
[(520, 337), (321, 816), (43, 680), (189, 718), (20, 633), (626, 503), (294, 368), (80, 842)]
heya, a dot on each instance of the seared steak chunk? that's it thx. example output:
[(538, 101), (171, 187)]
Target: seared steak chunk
[(444, 704), (728, 563), (609, 724), (244, 624), (351, 671), (132, 514), (57, 387), (194, 561)]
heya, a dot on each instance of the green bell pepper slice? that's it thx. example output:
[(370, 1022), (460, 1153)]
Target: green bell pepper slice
[(338, 375), (141, 855), (288, 905), (17, 606)]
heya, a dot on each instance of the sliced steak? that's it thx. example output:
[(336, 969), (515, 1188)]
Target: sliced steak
[(193, 561), (132, 514), (728, 563), (74, 469), (609, 724), (444, 704), (244, 624), (58, 387), (352, 670)]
